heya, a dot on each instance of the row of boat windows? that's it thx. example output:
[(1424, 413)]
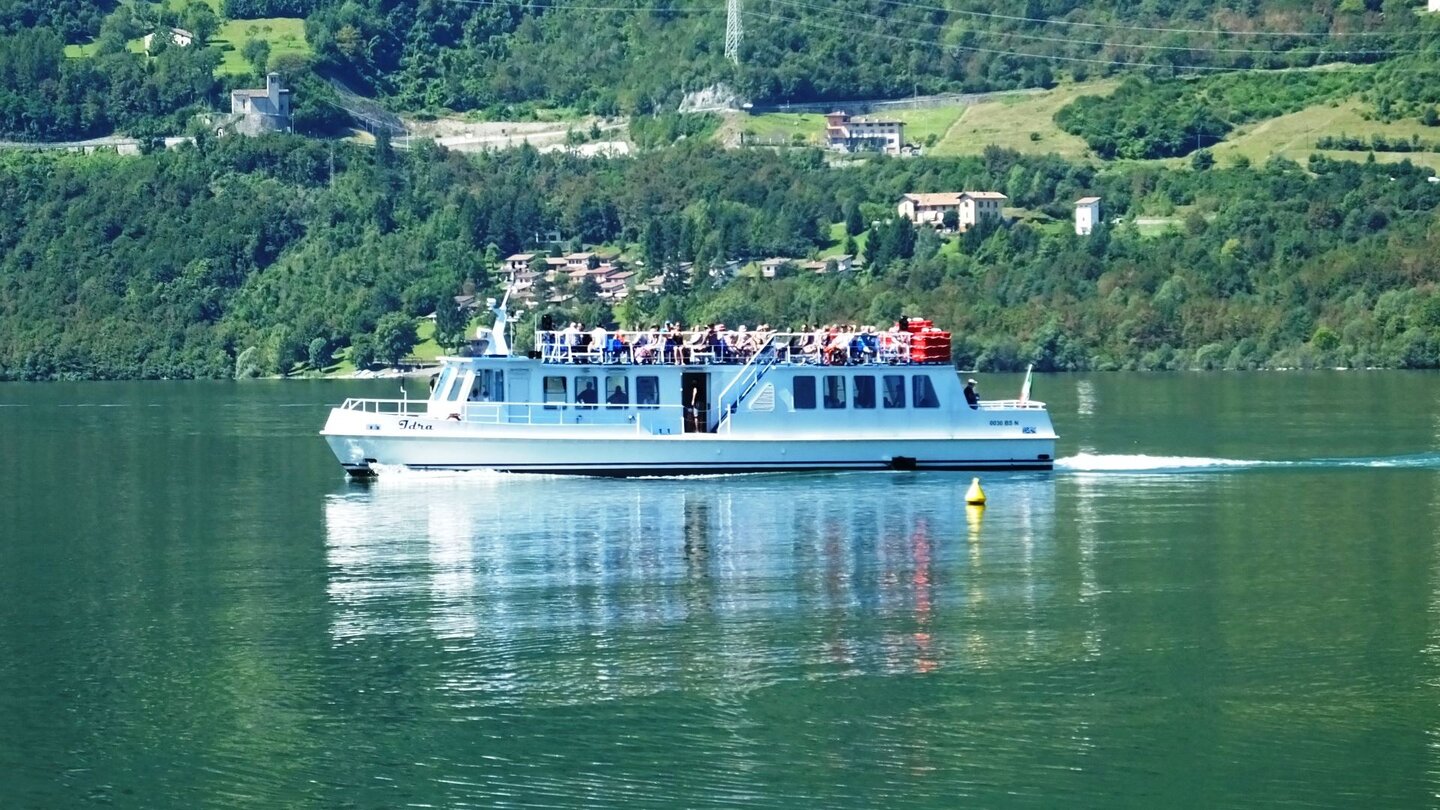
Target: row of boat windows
[(861, 391), (486, 385), (616, 391), (833, 391)]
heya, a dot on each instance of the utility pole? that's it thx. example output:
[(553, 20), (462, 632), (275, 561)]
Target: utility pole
[(734, 30)]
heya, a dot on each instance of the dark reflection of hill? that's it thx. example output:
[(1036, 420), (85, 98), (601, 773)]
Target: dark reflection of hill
[(567, 590)]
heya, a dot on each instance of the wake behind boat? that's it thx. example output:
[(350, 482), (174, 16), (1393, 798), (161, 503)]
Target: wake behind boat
[(701, 402)]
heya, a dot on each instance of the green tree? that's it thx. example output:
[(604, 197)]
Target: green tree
[(450, 323), (200, 21), (854, 220), (318, 353), (257, 53), (395, 337)]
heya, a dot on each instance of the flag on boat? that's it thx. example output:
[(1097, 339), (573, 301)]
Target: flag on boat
[(1025, 389)]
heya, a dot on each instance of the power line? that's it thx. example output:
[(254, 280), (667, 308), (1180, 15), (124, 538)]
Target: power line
[(529, 6), (994, 51), (1161, 30), (1068, 41)]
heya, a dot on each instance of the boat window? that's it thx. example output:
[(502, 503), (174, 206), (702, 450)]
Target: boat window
[(456, 387), (647, 391), (925, 392), (834, 391), (437, 390), (803, 392), (586, 392), (554, 392), (489, 386), (617, 390), (864, 391), (894, 391)]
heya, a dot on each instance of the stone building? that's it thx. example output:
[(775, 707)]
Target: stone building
[(254, 112)]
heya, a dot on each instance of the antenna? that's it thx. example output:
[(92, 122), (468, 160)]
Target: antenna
[(734, 30)]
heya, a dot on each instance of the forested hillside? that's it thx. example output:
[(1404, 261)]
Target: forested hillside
[(176, 264), (617, 58)]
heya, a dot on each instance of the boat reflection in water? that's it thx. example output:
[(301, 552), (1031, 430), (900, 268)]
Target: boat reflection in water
[(573, 590)]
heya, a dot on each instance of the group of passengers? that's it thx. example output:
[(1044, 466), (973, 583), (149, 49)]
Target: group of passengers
[(833, 344)]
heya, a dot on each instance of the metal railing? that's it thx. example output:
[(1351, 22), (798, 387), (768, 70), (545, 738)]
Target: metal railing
[(659, 347), (652, 418), (755, 368), (1011, 405)]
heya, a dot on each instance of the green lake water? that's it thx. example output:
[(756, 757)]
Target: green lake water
[(1228, 594)]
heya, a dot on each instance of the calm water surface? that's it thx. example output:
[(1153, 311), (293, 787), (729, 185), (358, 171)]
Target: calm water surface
[(1228, 595)]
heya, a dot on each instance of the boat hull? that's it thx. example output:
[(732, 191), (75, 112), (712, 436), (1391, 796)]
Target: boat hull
[(442, 445)]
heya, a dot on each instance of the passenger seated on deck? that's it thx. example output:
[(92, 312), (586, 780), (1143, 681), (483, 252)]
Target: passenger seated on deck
[(971, 398), (697, 341), (642, 350), (615, 348), (837, 347), (869, 345), (717, 340)]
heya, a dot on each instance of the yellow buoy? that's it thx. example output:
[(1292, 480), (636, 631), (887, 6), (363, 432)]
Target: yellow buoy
[(975, 496)]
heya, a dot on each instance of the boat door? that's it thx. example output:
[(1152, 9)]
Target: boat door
[(517, 389), (695, 396)]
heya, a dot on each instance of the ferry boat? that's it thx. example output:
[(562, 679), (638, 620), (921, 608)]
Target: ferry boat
[(688, 403)]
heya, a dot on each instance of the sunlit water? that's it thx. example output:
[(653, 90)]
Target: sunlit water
[(1228, 593)]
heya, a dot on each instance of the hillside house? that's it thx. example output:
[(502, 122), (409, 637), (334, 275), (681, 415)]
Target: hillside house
[(516, 262), (179, 37), (843, 263), (581, 261), (770, 268), (1435, 5), (969, 207), (254, 112), (1087, 214), (846, 134)]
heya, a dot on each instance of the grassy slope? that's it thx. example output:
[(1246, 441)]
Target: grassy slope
[(1294, 135), (782, 127), (286, 35), (1009, 121)]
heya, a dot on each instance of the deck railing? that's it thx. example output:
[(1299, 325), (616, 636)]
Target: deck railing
[(624, 347), (643, 417)]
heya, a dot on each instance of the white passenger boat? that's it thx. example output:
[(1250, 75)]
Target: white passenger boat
[(638, 404)]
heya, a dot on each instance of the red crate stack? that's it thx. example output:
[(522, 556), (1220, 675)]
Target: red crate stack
[(928, 344)]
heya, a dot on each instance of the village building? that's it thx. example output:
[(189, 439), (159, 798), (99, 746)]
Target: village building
[(179, 37), (255, 112), (969, 208), (516, 262), (1087, 215), (1435, 5), (725, 270), (770, 268), (843, 263), (581, 261), (846, 134)]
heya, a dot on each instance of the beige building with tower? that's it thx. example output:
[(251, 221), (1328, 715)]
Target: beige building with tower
[(970, 207)]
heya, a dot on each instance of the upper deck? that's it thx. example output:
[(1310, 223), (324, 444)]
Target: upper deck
[(741, 347)]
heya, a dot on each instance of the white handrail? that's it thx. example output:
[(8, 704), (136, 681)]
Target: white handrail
[(746, 379), (691, 348)]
